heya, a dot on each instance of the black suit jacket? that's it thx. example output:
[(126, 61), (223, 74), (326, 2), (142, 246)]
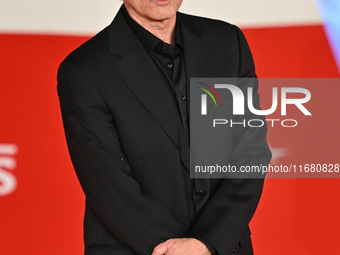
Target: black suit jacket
[(131, 153)]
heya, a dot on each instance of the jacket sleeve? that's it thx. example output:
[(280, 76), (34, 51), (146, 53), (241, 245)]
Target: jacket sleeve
[(225, 217), (134, 219)]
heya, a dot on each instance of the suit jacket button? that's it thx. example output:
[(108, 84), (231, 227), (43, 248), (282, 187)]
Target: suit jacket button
[(200, 194)]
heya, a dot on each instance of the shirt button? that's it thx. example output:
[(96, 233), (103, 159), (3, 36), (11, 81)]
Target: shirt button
[(200, 194), (170, 65), (183, 98)]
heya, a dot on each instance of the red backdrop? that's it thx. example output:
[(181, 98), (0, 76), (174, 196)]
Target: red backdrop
[(43, 213)]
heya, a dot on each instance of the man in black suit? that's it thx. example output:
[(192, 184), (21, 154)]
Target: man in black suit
[(124, 101)]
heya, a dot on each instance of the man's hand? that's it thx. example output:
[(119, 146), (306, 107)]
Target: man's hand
[(181, 246)]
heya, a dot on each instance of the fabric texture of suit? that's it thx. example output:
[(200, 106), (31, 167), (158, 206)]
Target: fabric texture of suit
[(131, 152)]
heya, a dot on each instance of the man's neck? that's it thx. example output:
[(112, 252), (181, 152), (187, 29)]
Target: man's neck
[(164, 30)]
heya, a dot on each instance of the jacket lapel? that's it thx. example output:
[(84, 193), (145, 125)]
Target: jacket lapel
[(144, 80), (198, 57), (198, 60)]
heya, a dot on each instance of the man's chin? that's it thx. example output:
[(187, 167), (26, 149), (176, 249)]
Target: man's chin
[(162, 15)]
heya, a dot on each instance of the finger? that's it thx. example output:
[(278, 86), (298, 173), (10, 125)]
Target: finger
[(160, 249)]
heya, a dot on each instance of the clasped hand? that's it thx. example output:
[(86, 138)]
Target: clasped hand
[(181, 246)]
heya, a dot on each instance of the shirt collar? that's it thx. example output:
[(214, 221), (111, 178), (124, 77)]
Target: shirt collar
[(148, 40)]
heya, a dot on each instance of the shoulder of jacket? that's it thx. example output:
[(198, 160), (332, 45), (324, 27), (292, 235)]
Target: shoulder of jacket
[(208, 24), (96, 45)]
